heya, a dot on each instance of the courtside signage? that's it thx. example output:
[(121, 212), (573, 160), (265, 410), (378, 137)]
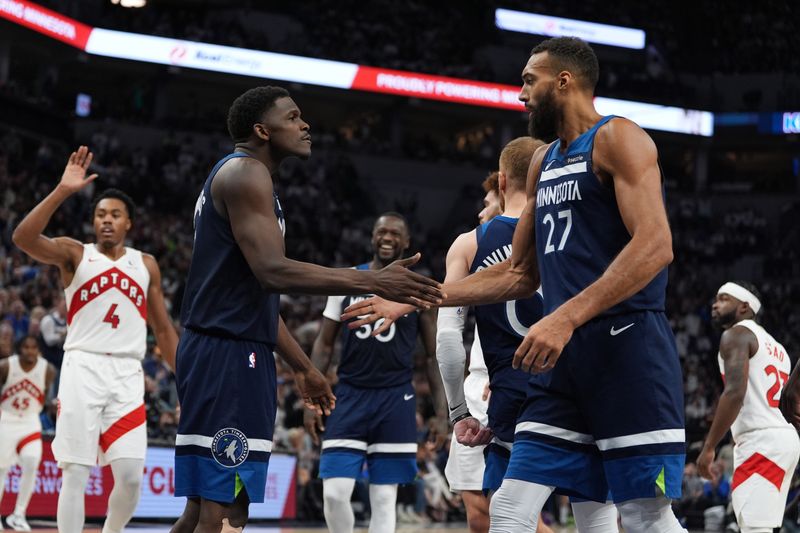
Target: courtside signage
[(336, 74), (520, 21)]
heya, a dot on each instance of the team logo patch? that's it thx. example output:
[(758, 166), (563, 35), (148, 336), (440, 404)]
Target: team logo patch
[(230, 447), (252, 360)]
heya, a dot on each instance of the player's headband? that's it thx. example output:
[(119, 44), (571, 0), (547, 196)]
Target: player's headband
[(740, 293)]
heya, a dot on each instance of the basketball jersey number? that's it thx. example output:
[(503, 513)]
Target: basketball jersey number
[(20, 404), (550, 221), (365, 331), (111, 316), (774, 392)]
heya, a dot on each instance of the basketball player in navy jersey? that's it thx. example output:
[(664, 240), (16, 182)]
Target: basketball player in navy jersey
[(375, 419), (492, 200), (225, 366), (608, 413)]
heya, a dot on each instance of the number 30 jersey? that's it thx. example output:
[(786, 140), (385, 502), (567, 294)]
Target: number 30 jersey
[(579, 229), (107, 304), (769, 371), (386, 360)]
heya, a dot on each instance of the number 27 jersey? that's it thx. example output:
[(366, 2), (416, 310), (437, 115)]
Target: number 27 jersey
[(107, 304)]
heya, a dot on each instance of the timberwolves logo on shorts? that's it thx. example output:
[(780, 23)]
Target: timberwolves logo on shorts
[(229, 447)]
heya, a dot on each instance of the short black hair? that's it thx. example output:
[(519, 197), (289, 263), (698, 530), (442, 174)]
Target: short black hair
[(119, 195), (574, 55), (248, 109), (23, 339), (395, 214), (752, 288)]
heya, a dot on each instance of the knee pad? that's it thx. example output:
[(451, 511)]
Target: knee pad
[(649, 515)]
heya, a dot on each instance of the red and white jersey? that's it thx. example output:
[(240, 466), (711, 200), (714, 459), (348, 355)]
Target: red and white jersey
[(769, 371), (22, 395), (107, 304)]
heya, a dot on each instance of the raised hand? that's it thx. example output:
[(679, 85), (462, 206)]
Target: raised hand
[(543, 344), (373, 310), (470, 432), (397, 283), (315, 390), (74, 177)]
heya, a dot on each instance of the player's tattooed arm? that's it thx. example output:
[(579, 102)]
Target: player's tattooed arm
[(243, 192), (312, 385), (63, 252), (157, 316), (737, 345)]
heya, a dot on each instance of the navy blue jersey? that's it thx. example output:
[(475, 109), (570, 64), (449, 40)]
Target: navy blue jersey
[(502, 326), (579, 230), (223, 296), (386, 360)]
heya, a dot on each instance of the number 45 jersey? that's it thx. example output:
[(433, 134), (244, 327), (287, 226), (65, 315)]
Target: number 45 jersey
[(579, 230), (107, 304), (385, 360)]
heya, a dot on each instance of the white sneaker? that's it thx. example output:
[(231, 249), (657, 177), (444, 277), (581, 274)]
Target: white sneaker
[(17, 523)]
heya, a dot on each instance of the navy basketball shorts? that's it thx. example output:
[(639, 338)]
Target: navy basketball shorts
[(378, 425), (508, 395), (227, 391), (609, 416)]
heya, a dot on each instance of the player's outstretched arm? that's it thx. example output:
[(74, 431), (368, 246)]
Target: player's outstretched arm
[(737, 346), (61, 251), (313, 386), (157, 316), (247, 194), (623, 151)]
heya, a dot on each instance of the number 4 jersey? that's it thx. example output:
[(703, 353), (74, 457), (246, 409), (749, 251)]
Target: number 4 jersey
[(107, 304), (769, 370), (385, 360)]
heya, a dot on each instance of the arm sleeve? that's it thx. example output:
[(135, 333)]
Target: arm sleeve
[(452, 357), (333, 309)]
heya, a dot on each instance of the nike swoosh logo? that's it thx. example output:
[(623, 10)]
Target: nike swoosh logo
[(615, 332), (93, 259), (549, 164), (407, 397)]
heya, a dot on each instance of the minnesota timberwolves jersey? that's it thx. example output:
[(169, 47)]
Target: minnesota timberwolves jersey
[(579, 230), (223, 297), (502, 326), (386, 360)]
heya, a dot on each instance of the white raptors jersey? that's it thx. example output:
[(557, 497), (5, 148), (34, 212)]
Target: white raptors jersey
[(107, 304), (22, 395), (476, 362), (769, 371)]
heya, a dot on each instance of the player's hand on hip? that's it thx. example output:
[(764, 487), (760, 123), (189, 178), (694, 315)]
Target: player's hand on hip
[(315, 390), (376, 309), (313, 424), (790, 400), (704, 462), (542, 346), (74, 177), (397, 283), (470, 432)]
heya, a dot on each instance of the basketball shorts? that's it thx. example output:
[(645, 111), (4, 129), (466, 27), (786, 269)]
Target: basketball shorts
[(378, 425), (609, 416), (227, 389), (19, 437), (763, 465), (508, 395), (465, 464), (101, 413)]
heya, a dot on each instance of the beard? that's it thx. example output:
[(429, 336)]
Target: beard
[(543, 121), (724, 321)]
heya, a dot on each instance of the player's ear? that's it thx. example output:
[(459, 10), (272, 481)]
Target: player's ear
[(502, 181), (564, 79), (261, 131)]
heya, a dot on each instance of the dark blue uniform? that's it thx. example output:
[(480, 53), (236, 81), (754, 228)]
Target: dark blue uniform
[(225, 365), (501, 327), (375, 415), (609, 416)]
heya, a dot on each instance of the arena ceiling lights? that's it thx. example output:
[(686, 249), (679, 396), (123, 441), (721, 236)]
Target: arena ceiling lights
[(336, 74), (592, 32)]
